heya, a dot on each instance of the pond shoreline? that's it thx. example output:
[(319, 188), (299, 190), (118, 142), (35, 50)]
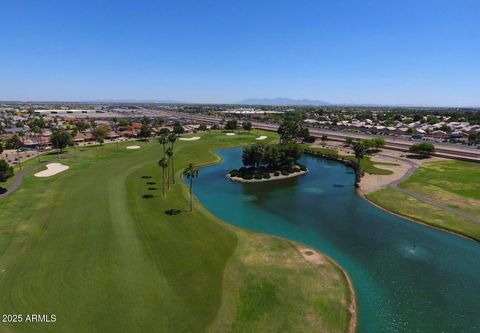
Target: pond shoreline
[(272, 177)]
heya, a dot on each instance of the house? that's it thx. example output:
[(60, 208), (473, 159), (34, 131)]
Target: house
[(439, 134)]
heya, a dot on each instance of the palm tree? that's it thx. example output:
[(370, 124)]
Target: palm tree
[(359, 149), (163, 141), (190, 172), (163, 163), (169, 154), (172, 138)]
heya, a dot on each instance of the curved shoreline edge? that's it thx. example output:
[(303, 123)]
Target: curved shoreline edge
[(352, 307), (411, 219), (263, 180), (353, 323)]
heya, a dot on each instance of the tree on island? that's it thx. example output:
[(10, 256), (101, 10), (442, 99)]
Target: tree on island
[(191, 172), (247, 126), (424, 149), (273, 156), (231, 125), (163, 163)]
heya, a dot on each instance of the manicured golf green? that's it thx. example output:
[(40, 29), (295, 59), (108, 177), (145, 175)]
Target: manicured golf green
[(87, 246)]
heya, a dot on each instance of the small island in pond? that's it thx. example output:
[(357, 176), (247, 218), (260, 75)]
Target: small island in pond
[(269, 162)]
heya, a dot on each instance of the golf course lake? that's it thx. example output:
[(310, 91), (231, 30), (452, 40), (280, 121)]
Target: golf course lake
[(407, 277)]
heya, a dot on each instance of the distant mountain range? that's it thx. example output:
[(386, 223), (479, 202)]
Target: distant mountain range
[(133, 101), (281, 101)]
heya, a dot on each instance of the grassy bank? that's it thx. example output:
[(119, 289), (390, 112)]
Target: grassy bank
[(367, 164), (86, 246), (451, 183)]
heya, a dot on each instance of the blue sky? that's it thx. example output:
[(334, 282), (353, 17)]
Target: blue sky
[(423, 52)]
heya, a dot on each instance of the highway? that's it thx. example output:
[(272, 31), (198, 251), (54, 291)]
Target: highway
[(446, 150)]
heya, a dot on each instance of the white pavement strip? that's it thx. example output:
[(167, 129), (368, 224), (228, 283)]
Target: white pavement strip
[(133, 147), (52, 170), (263, 137)]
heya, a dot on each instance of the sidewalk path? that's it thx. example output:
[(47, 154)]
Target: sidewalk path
[(414, 166), (17, 180)]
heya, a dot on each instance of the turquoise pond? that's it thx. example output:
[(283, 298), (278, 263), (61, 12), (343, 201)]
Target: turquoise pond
[(407, 277)]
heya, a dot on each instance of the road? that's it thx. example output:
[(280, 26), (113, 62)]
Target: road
[(444, 150)]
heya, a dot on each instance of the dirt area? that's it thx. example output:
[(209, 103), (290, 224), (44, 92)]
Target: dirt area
[(13, 157), (371, 183)]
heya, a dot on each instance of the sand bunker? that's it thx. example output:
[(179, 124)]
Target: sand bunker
[(52, 170), (193, 138), (133, 147), (230, 134), (262, 137)]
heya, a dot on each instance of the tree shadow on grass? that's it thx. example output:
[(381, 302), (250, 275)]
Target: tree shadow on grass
[(146, 177), (151, 183), (417, 157), (3, 190), (148, 196), (152, 188), (173, 212)]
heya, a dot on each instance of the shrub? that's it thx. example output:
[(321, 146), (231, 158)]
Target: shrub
[(234, 173), (290, 170), (303, 168), (172, 212), (276, 173), (258, 176), (424, 148), (296, 169), (266, 176), (285, 173), (248, 176), (309, 139), (242, 169)]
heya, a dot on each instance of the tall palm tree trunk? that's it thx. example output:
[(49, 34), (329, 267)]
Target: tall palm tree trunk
[(168, 178), (163, 181), (191, 183), (173, 172)]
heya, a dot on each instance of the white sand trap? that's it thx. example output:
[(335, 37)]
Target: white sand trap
[(262, 137), (193, 138), (133, 147), (52, 170), (230, 134)]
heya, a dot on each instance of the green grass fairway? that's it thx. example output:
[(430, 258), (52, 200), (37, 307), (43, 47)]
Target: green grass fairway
[(86, 246), (453, 183), (406, 205)]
